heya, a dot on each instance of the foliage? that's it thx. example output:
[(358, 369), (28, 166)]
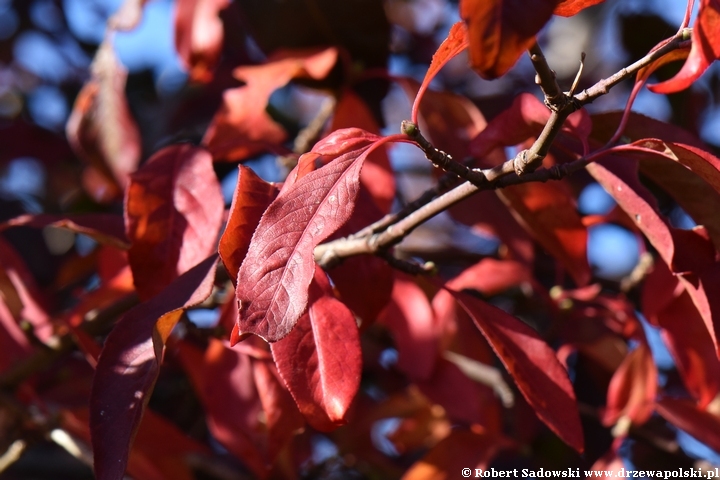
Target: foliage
[(330, 327)]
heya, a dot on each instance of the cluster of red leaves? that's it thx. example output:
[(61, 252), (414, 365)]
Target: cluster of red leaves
[(323, 327)]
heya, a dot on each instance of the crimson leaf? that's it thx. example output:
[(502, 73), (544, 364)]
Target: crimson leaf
[(129, 365), (273, 279), (533, 365), (320, 360), (173, 213)]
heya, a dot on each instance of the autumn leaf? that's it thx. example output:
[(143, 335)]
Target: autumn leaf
[(456, 42), (173, 214), (105, 228), (688, 173), (500, 31), (363, 282), (447, 120), (632, 390), (221, 375), (242, 126), (23, 295), (686, 252), (568, 8), (160, 448), (274, 277), (462, 449), (101, 129), (533, 365), (282, 417), (250, 200), (705, 49), (524, 120), (377, 174), (199, 36), (320, 359), (410, 319), (129, 365), (701, 424), (13, 342), (667, 305), (550, 215)]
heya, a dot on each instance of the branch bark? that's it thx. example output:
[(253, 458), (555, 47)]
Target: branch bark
[(389, 231)]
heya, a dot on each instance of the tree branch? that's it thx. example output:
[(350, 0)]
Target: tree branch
[(382, 235)]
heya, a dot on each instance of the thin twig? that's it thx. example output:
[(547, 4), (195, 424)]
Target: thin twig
[(545, 78), (440, 158), (522, 169)]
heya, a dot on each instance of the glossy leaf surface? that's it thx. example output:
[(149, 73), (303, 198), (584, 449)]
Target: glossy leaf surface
[(250, 200), (320, 360), (275, 275)]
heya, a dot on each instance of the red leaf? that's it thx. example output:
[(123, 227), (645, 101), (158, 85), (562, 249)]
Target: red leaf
[(459, 450), (701, 424), (692, 348), (525, 119), (533, 365), (106, 228), (640, 127), (129, 365), (550, 215), (485, 212), (490, 276), (501, 30), (685, 251), (275, 275), (377, 175), (14, 343), (449, 121), (690, 174), (242, 127), (456, 41), (364, 282), (320, 360), (568, 8), (251, 198), (199, 36), (223, 377), (173, 213), (282, 417), (632, 390), (101, 129), (410, 319), (705, 49), (609, 465), (22, 294), (160, 451), (463, 399)]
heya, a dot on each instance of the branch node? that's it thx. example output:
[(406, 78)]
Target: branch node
[(439, 158), (409, 267)]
